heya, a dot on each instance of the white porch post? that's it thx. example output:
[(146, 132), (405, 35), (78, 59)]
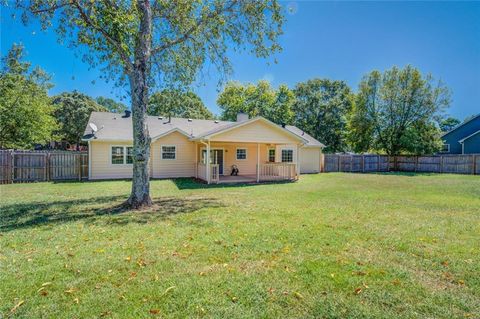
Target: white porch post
[(258, 162), (208, 163), (297, 166), (196, 160)]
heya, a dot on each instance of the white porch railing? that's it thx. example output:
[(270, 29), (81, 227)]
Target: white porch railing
[(214, 172), (214, 169), (277, 171)]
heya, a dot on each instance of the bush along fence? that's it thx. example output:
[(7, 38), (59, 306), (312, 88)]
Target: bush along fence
[(455, 164), (41, 166)]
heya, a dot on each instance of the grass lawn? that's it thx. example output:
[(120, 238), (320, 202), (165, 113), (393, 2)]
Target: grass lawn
[(329, 246)]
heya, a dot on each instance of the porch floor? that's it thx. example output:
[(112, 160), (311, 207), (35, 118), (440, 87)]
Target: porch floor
[(224, 179)]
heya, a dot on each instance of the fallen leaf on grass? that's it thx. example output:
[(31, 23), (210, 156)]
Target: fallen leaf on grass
[(70, 291), (358, 290), (21, 302), (154, 311), (445, 263), (297, 295), (168, 290), (46, 284)]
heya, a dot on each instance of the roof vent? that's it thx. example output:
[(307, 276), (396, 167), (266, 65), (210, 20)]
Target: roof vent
[(160, 117), (190, 120), (127, 114), (216, 121)]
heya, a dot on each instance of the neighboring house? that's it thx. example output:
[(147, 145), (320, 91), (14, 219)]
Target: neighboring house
[(463, 139), (260, 149)]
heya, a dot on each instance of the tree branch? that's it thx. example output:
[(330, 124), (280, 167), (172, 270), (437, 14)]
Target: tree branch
[(194, 28), (123, 55)]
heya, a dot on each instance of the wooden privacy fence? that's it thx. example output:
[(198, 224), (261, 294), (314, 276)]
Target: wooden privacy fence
[(456, 164), (41, 166)]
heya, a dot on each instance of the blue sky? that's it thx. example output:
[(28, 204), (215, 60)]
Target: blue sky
[(336, 40)]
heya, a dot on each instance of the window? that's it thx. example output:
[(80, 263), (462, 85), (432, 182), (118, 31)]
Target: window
[(169, 152), (271, 155), (287, 156), (117, 155), (129, 155), (241, 153), (445, 148)]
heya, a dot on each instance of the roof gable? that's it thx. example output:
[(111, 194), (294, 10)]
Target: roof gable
[(473, 119), (258, 129), (466, 138)]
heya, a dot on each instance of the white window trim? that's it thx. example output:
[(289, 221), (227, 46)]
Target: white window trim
[(246, 154), (448, 151), (268, 154), (289, 148), (124, 155), (161, 152)]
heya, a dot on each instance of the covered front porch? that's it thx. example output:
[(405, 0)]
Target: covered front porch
[(255, 162)]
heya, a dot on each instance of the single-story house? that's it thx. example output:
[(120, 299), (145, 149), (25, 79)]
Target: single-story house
[(463, 139), (260, 149)]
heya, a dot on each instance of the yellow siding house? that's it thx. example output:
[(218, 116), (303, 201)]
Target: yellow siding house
[(205, 149)]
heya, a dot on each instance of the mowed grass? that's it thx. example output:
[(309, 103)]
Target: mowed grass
[(328, 246)]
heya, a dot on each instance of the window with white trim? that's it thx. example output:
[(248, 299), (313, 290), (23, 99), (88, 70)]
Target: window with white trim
[(117, 155), (169, 152), (121, 155), (241, 153), (271, 155), (445, 148), (129, 155), (287, 156)]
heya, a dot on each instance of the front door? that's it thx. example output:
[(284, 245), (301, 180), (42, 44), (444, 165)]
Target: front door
[(216, 157)]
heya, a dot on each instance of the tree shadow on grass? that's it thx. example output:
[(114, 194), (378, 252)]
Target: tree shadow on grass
[(107, 209)]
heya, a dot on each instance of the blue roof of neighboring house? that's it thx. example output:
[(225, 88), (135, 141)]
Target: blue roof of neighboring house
[(471, 135), (461, 124)]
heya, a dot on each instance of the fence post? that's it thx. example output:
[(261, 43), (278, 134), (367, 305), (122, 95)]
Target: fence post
[(363, 163), (77, 156), (338, 160), (416, 163), (12, 158), (441, 164), (474, 164)]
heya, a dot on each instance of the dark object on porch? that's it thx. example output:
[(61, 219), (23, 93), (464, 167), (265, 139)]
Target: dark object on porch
[(234, 170)]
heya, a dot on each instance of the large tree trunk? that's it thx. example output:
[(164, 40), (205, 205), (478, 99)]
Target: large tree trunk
[(140, 196)]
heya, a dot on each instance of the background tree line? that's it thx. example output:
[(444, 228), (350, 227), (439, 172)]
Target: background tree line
[(394, 112), (29, 117)]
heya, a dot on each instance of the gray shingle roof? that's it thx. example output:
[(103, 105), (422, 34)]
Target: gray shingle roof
[(112, 126)]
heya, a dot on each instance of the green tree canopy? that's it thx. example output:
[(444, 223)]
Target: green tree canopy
[(257, 100), (111, 105), (25, 109), (321, 109), (72, 110), (397, 112), (448, 124), (178, 104)]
